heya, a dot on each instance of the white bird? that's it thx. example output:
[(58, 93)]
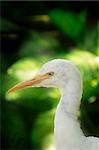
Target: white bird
[(64, 75)]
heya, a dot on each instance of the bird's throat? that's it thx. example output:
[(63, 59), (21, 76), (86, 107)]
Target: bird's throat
[(71, 96)]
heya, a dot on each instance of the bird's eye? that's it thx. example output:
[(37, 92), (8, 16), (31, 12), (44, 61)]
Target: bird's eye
[(51, 73)]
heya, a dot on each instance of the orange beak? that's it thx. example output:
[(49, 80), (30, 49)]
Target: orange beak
[(35, 81)]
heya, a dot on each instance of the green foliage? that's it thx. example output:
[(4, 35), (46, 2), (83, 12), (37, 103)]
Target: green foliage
[(7, 26), (42, 128), (69, 23), (38, 44), (13, 127), (90, 41), (27, 115)]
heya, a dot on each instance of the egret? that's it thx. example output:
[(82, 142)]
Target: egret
[(62, 74)]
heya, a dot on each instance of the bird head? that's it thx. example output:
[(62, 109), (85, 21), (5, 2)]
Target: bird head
[(52, 74)]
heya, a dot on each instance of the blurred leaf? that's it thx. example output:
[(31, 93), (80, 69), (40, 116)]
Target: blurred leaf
[(13, 127), (91, 40), (8, 26), (69, 23), (38, 44), (42, 128), (24, 69)]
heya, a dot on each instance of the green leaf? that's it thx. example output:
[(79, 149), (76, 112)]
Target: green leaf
[(69, 23), (13, 126), (91, 40), (42, 128)]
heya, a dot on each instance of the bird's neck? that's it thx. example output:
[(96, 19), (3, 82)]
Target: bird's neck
[(67, 128), (71, 96)]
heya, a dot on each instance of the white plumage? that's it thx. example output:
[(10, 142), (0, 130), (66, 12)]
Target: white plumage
[(68, 134), (65, 76)]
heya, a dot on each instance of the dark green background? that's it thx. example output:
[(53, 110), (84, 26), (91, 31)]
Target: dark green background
[(31, 34)]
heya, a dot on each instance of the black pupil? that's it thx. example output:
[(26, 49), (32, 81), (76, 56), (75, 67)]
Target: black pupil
[(50, 74)]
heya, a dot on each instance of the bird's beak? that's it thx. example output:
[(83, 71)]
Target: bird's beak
[(33, 82)]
